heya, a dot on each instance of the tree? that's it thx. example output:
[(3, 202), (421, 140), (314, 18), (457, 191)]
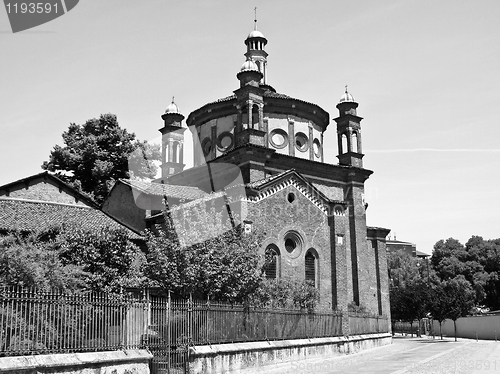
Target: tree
[(97, 153), (110, 260), (458, 299), (478, 262), (286, 293), (437, 305), (487, 254), (228, 267), (34, 262)]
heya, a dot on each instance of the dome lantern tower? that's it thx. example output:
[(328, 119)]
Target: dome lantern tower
[(172, 140), (349, 132), (255, 42)]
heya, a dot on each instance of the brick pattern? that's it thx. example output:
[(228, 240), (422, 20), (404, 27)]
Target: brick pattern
[(43, 190)]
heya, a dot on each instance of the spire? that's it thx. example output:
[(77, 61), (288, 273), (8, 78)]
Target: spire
[(255, 19), (255, 42)]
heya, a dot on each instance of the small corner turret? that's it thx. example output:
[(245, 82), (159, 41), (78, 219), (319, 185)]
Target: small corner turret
[(172, 141), (349, 132)]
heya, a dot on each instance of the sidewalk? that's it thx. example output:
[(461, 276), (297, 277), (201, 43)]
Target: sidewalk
[(406, 356)]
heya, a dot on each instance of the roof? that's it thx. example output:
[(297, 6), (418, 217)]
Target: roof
[(268, 93), (397, 242), (31, 215), (422, 254), (56, 180), (169, 190)]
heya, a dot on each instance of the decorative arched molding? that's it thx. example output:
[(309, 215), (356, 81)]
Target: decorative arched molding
[(307, 191)]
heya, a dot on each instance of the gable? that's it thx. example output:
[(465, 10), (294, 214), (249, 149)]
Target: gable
[(279, 182), (44, 187)]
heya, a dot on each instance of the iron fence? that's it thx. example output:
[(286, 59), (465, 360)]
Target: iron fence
[(33, 322), (363, 324)]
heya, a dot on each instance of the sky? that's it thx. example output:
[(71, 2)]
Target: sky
[(426, 75)]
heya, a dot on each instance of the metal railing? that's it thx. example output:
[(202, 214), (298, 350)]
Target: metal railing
[(202, 322), (50, 322), (363, 324), (32, 321)]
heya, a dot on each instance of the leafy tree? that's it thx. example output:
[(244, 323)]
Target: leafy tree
[(286, 293), (34, 262), (110, 260), (458, 300), (225, 268), (478, 262), (437, 307), (487, 254), (97, 153)]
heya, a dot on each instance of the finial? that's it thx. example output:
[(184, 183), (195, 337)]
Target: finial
[(173, 99), (255, 19), (346, 88)]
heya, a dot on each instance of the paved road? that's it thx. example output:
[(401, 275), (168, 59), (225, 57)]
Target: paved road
[(407, 356)]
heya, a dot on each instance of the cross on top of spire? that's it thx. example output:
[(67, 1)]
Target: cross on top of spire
[(255, 19)]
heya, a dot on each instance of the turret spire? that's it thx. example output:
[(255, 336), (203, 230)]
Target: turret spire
[(255, 19)]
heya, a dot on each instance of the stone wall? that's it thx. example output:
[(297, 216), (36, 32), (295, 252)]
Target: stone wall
[(114, 362), (256, 357), (42, 189)]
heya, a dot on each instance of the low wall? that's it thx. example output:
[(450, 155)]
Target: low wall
[(486, 327), (256, 356), (116, 362)]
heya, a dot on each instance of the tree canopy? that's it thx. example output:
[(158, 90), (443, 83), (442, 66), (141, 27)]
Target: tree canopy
[(71, 259), (97, 153)]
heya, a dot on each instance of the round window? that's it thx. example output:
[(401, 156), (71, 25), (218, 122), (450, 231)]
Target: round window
[(293, 243), (317, 148), (225, 141), (206, 146), (301, 142), (278, 138)]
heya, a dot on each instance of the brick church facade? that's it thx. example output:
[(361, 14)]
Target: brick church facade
[(261, 154)]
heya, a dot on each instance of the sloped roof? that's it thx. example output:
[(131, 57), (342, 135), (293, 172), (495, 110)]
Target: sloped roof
[(49, 175), (267, 93), (31, 215), (169, 190), (274, 183)]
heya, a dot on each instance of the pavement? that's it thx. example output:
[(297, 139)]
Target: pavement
[(407, 355)]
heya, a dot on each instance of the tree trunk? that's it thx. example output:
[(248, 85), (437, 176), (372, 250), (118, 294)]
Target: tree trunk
[(440, 331), (411, 328), (455, 325)]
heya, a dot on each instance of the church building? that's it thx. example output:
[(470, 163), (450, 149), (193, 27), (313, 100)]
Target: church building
[(261, 153)]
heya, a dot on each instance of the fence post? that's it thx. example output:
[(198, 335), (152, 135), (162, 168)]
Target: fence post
[(169, 336)]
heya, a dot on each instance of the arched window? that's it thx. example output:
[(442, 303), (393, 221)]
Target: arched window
[(311, 267), (271, 268), (255, 116), (344, 144), (354, 142), (175, 151)]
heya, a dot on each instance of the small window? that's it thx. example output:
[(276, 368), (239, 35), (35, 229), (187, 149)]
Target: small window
[(206, 146), (293, 244), (271, 268), (317, 148), (340, 239), (291, 197), (278, 138), (310, 266), (301, 142), (290, 245)]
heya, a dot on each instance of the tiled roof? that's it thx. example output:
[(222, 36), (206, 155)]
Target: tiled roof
[(267, 93), (169, 190), (31, 215)]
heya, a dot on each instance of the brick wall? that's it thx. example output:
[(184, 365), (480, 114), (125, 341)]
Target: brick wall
[(276, 216), (41, 189)]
